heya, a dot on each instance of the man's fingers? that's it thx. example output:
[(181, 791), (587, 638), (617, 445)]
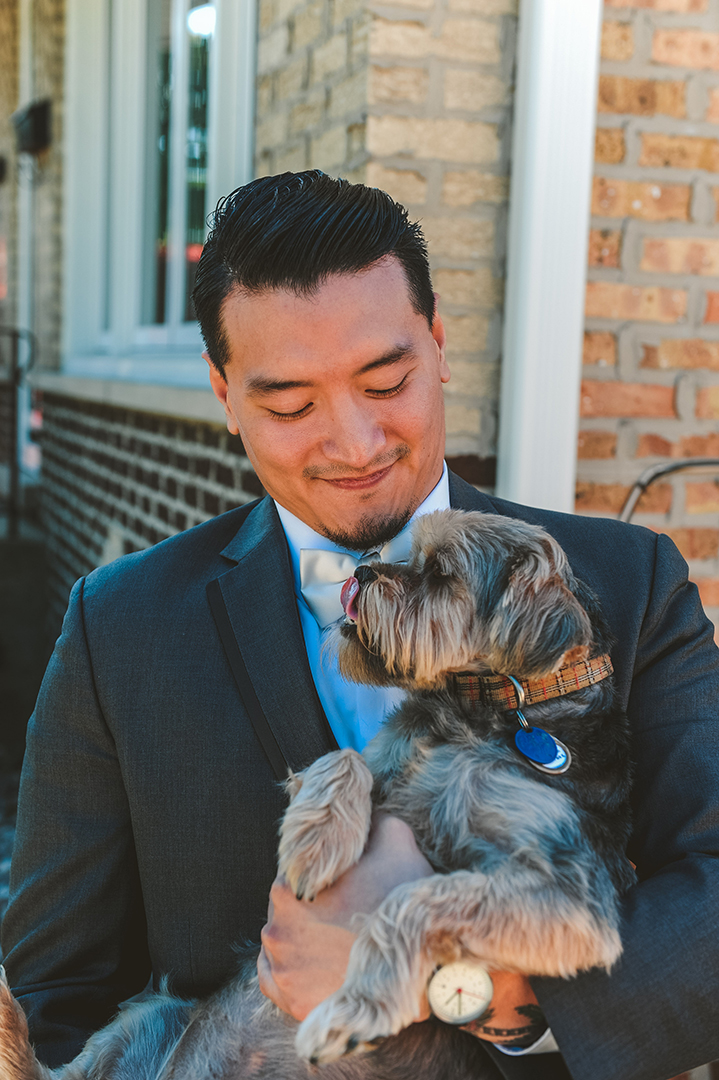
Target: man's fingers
[(268, 986)]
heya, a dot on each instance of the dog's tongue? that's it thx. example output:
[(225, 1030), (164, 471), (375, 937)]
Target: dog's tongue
[(348, 598)]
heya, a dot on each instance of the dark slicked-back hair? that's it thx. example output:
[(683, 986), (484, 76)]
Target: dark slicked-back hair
[(292, 232)]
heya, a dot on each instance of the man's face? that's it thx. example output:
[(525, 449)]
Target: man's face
[(337, 398)]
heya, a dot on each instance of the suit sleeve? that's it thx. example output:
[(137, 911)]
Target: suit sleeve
[(655, 1016), (74, 934)]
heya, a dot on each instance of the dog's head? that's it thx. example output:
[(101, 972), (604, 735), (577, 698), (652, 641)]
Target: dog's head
[(480, 593)]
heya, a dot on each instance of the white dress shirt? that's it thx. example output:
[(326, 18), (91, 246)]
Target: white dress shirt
[(356, 713)]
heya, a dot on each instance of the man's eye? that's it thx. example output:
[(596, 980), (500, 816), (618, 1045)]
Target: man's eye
[(291, 415), (390, 389)]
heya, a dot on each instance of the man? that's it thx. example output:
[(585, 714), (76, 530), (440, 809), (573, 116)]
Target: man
[(188, 676)]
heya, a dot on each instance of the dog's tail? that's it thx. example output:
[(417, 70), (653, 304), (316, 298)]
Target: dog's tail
[(17, 1060)]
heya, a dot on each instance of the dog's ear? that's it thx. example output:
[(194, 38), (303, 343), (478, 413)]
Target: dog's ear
[(539, 624)]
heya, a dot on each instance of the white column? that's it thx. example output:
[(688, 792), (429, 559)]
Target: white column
[(554, 121)]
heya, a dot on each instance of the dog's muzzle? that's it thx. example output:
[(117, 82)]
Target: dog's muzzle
[(363, 575)]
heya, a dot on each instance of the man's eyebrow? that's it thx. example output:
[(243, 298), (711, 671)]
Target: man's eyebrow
[(260, 384), (394, 356)]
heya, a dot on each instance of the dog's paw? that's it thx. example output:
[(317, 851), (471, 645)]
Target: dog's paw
[(325, 829), (343, 1025)]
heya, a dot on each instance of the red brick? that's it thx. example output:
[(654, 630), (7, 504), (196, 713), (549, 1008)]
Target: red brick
[(695, 543), (626, 399), (596, 444), (712, 311), (614, 300), (688, 446), (702, 498), (617, 41), (609, 147), (708, 403), (708, 591), (686, 48), (610, 498), (599, 348), (683, 6), (680, 151), (641, 97), (605, 246), (713, 107), (651, 202), (681, 255), (654, 446), (677, 353)]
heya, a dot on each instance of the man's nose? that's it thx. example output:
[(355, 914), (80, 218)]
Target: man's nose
[(356, 437)]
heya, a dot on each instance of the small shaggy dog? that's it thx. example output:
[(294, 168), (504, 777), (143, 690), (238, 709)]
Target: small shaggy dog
[(528, 853)]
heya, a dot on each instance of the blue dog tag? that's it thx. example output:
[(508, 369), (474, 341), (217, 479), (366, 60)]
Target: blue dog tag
[(542, 750)]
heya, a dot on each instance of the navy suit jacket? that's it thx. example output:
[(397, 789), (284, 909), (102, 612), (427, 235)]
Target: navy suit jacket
[(148, 810)]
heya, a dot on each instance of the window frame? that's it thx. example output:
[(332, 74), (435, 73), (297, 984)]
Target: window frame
[(103, 210)]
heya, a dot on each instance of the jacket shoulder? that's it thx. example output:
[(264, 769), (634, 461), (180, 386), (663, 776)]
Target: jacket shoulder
[(189, 558)]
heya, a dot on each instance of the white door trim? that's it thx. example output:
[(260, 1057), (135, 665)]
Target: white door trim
[(554, 120)]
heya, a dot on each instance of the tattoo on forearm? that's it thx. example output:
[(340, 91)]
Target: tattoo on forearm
[(517, 1038)]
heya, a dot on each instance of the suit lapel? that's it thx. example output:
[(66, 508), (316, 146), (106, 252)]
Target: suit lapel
[(462, 496), (259, 600)]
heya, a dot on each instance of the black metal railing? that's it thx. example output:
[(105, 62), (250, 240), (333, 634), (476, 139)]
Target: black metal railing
[(655, 472)]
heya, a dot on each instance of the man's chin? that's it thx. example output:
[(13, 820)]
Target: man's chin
[(369, 531)]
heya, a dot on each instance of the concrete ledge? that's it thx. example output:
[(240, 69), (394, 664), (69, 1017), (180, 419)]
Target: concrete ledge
[(185, 402)]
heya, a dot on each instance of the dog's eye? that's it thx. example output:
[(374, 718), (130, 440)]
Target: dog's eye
[(437, 566)]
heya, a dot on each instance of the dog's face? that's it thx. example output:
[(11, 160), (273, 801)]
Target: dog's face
[(480, 593)]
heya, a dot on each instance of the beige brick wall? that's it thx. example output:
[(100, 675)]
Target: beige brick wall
[(414, 98), (651, 374), (438, 137), (8, 206), (49, 44), (311, 86)]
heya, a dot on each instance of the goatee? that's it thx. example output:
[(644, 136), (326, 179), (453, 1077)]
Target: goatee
[(371, 532)]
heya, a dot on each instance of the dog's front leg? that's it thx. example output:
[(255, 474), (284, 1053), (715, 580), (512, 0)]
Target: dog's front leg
[(325, 829), (436, 920)]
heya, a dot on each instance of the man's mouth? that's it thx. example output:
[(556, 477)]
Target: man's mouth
[(358, 483), (348, 598)]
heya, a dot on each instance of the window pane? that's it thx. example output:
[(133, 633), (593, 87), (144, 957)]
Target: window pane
[(200, 25), (157, 158)]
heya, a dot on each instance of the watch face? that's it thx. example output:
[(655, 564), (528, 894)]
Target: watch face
[(460, 992)]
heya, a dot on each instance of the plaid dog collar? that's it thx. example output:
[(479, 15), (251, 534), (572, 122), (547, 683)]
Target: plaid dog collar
[(498, 690)]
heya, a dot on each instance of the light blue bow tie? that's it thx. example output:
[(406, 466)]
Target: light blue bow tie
[(323, 573)]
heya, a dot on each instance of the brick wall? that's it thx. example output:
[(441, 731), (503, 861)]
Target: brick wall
[(117, 480), (8, 203), (48, 52), (651, 375), (438, 139), (311, 86), (416, 99)]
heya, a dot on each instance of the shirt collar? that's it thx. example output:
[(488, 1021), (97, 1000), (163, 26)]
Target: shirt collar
[(300, 535)]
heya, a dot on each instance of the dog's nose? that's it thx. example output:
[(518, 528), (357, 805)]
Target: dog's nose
[(365, 574)]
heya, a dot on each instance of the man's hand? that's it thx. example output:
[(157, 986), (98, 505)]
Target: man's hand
[(514, 1017), (306, 944)]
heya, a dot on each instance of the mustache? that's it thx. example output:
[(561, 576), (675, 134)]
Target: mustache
[(345, 472)]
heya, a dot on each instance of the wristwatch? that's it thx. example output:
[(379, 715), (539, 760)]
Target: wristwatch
[(460, 992)]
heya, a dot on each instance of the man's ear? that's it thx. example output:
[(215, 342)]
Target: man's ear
[(218, 382), (440, 337)]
